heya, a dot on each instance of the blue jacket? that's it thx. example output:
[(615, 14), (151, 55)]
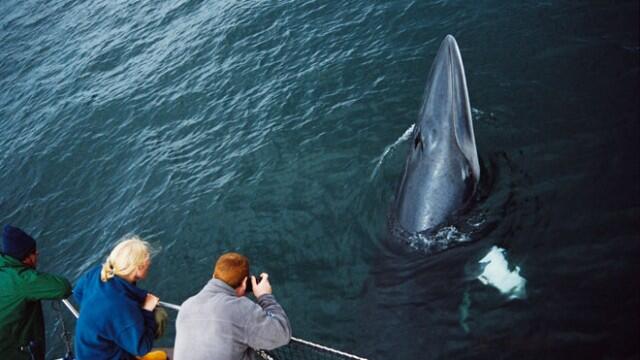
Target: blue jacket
[(112, 324)]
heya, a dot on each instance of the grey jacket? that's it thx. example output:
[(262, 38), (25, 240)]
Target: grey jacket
[(215, 324)]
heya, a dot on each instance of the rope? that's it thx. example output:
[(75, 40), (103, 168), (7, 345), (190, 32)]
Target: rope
[(327, 349)]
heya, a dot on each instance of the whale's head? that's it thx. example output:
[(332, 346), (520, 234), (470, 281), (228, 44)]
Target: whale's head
[(442, 169)]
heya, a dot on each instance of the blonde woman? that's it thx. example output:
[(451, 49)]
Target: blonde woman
[(116, 317)]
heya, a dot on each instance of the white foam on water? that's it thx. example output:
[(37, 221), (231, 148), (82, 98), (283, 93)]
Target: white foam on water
[(496, 273), (476, 112), (444, 238), (406, 136)]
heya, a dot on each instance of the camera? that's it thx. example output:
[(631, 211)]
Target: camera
[(250, 285)]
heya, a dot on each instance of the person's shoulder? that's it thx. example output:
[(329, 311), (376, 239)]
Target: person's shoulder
[(246, 303), (43, 285), (30, 274), (231, 302), (196, 301), (21, 276), (190, 303), (91, 272), (89, 275), (94, 271)]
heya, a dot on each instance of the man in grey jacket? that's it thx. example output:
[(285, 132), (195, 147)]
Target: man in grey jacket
[(221, 323)]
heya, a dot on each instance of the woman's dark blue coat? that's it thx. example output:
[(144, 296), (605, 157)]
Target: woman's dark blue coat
[(112, 323)]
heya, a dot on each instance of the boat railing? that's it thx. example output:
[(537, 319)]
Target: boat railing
[(296, 349)]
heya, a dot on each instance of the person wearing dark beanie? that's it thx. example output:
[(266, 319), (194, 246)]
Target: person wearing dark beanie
[(17, 243), (21, 289)]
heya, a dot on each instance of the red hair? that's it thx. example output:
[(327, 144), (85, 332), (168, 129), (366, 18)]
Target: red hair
[(232, 268)]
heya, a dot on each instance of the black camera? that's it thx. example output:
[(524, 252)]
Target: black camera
[(250, 285)]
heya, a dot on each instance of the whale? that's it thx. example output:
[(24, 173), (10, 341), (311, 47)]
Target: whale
[(441, 171)]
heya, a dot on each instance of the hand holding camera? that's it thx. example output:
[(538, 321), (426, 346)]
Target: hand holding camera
[(259, 286)]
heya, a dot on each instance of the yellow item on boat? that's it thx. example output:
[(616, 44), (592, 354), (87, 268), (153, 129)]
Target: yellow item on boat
[(154, 355)]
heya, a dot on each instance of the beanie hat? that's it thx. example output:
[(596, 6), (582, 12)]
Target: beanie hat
[(16, 243)]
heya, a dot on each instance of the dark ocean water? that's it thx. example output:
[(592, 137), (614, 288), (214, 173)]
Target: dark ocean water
[(275, 128)]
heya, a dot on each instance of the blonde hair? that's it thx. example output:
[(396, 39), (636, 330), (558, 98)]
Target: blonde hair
[(130, 253)]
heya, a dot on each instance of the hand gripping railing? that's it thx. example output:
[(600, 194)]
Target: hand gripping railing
[(263, 354)]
